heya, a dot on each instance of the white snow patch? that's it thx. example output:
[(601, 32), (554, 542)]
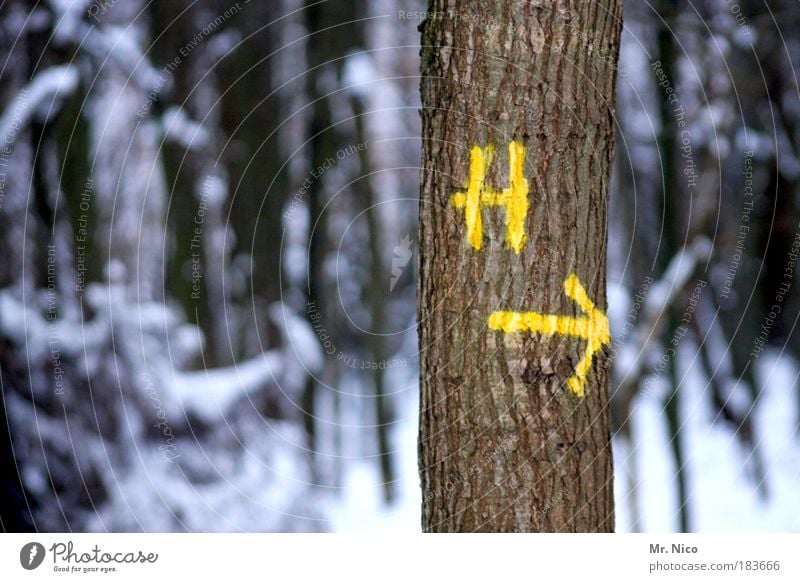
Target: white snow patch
[(359, 72), (210, 393), (179, 127), (37, 99)]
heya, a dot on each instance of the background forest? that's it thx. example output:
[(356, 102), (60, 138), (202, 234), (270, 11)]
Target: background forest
[(207, 288)]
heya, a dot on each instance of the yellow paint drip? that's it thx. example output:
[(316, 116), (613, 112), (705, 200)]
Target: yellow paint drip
[(593, 328), (478, 195)]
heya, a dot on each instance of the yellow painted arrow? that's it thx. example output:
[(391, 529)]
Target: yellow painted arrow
[(593, 328)]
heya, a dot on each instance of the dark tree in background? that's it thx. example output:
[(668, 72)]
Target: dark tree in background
[(518, 127)]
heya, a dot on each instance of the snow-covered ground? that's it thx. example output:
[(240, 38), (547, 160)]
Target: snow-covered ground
[(723, 497), (361, 507)]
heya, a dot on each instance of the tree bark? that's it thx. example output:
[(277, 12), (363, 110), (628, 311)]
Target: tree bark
[(509, 439)]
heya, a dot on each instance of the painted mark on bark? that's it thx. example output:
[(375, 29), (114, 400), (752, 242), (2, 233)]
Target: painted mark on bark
[(478, 195), (593, 328)]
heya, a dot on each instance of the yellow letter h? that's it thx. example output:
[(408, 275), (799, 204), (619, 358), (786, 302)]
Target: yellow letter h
[(478, 195)]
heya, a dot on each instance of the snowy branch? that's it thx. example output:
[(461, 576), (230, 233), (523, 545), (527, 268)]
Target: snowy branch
[(634, 355), (38, 98)]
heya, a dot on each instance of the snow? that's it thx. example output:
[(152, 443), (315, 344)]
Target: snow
[(302, 343), (633, 355), (359, 74), (295, 225), (37, 99), (69, 18), (15, 324), (209, 394), (360, 507), (214, 191), (723, 497), (179, 127), (262, 485)]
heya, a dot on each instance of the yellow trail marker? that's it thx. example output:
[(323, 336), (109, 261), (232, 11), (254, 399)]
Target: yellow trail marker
[(593, 328), (479, 195)]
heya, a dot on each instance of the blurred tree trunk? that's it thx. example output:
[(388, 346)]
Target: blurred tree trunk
[(673, 230), (335, 31), (507, 443), (378, 305)]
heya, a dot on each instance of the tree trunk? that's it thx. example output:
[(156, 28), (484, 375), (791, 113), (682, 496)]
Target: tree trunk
[(518, 138)]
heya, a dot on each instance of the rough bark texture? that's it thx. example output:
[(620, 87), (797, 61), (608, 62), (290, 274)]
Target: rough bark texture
[(505, 445)]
